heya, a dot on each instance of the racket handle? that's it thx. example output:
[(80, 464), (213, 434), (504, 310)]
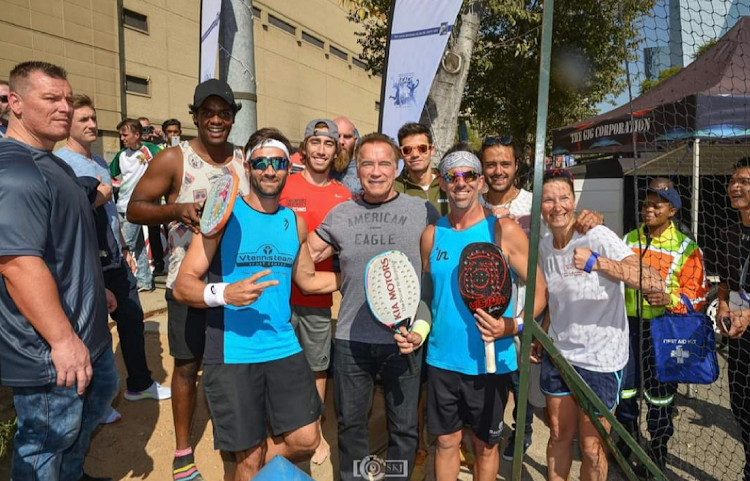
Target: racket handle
[(489, 356), (412, 366)]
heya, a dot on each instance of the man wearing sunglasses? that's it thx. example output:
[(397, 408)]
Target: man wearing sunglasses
[(184, 175), (380, 220), (311, 195), (418, 178), (4, 107), (455, 378)]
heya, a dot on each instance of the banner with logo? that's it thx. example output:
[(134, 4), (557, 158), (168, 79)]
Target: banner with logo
[(418, 35), (209, 47)]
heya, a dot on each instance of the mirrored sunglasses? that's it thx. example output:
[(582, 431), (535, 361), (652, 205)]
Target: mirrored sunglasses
[(277, 163)]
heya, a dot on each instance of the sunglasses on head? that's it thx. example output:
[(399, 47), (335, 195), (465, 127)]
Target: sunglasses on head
[(552, 173), (469, 176), (421, 148), (277, 163), (504, 140)]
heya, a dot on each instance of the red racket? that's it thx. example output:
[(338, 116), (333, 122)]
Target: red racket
[(485, 282), (219, 204)]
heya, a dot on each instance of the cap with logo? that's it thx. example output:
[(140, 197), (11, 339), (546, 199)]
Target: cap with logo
[(216, 87), (332, 132), (669, 194)]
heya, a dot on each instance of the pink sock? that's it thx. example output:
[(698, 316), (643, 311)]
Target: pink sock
[(182, 452)]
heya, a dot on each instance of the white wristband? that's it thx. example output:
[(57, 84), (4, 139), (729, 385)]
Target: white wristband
[(213, 294)]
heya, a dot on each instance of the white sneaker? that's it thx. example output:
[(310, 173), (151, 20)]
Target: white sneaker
[(154, 391), (111, 416)]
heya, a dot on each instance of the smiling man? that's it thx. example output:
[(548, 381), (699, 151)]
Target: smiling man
[(184, 175), (418, 178), (311, 195)]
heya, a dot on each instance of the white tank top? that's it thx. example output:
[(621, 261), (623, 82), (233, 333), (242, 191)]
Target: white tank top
[(197, 178)]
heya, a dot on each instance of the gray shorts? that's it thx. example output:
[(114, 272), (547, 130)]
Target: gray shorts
[(313, 328)]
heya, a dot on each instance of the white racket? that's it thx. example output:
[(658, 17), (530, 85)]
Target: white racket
[(393, 292)]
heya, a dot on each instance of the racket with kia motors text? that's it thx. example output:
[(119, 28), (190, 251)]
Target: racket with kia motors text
[(485, 282), (392, 291), (219, 204)]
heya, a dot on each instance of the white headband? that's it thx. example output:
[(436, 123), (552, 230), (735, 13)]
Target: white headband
[(459, 159), (272, 143)]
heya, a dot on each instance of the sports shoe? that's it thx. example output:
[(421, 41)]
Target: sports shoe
[(154, 391), (508, 453), (184, 469), (145, 289), (111, 416)]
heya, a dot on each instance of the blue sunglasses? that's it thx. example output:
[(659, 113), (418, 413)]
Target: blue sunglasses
[(277, 163)]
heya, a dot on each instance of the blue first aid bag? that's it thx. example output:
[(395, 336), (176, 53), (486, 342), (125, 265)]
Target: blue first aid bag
[(684, 347)]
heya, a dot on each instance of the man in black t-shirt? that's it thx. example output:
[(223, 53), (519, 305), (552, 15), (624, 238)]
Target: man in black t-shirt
[(733, 316), (55, 346)]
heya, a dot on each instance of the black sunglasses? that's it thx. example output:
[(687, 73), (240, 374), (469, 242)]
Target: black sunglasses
[(4, 99), (552, 173), (504, 140)]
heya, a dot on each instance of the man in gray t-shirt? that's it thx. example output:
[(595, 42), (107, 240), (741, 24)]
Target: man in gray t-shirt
[(379, 221)]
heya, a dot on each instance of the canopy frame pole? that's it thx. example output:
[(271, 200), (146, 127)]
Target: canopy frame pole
[(696, 187)]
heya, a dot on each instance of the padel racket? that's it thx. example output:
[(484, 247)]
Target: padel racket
[(485, 282), (219, 204), (392, 292)]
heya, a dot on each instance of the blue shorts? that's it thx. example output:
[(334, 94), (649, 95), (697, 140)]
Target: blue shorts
[(606, 385)]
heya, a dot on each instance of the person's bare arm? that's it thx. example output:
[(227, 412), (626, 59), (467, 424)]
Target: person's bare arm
[(515, 245), (318, 249), (626, 270), (587, 220), (303, 271), (103, 193), (162, 178), (32, 288), (189, 286)]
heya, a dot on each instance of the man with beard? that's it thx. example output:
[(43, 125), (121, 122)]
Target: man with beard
[(4, 107), (184, 175), (380, 220), (311, 195), (345, 167), (255, 372)]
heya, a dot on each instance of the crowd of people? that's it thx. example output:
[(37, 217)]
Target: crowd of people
[(251, 306)]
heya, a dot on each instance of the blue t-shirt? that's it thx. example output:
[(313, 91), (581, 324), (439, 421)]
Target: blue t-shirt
[(455, 343), (261, 332), (97, 167), (45, 213)]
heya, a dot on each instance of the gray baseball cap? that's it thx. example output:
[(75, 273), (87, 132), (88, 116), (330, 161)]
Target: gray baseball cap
[(332, 132)]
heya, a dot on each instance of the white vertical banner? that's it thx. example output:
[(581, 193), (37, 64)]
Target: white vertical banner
[(209, 48), (418, 35)]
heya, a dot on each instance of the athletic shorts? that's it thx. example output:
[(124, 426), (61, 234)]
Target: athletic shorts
[(606, 385), (245, 398), (455, 400), (186, 329), (313, 328)]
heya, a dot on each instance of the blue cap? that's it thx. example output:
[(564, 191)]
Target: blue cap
[(669, 194)]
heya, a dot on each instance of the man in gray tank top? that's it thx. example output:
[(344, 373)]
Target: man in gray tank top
[(183, 175), (378, 221)]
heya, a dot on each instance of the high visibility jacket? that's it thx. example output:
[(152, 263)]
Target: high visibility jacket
[(679, 261)]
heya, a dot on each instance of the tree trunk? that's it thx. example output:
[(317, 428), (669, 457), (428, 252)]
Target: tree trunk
[(444, 101)]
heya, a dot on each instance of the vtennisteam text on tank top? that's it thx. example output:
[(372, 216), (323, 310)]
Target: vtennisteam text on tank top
[(197, 178)]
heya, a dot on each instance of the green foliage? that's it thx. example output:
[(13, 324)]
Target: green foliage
[(7, 431), (704, 48), (501, 93), (648, 84)]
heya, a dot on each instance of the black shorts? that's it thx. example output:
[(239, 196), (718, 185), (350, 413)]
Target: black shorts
[(455, 399), (606, 385), (244, 398), (186, 329)]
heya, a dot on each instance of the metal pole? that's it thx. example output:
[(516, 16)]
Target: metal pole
[(237, 65), (536, 211), (696, 187)]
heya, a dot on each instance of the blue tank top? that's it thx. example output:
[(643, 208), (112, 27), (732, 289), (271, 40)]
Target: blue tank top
[(454, 343), (261, 332)]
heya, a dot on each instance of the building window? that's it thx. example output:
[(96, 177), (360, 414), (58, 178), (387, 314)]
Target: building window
[(359, 63), (377, 106), (256, 12), (136, 85), (312, 40), (135, 20), (339, 53), (279, 23)]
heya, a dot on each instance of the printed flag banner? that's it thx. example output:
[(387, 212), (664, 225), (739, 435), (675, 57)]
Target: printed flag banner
[(210, 19), (418, 35)]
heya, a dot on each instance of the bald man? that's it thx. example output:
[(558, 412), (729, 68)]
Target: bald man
[(345, 168)]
